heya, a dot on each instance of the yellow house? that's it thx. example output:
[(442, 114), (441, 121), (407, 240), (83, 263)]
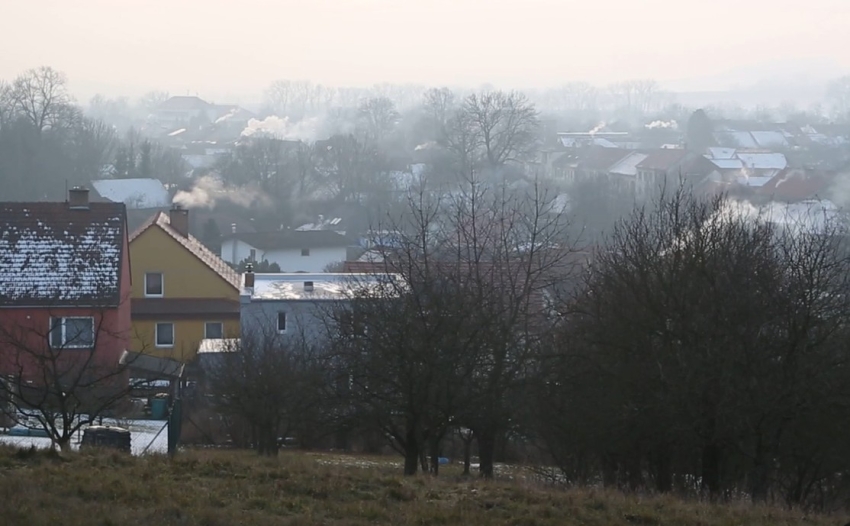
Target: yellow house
[(182, 292)]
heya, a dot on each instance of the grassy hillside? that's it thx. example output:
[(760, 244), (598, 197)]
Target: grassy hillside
[(228, 488)]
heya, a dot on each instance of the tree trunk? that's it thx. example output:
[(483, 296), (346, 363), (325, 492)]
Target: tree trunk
[(467, 454), (664, 472), (435, 456), (486, 450), (64, 444), (711, 469), (411, 453)]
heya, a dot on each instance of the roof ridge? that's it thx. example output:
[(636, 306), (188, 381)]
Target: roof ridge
[(199, 250)]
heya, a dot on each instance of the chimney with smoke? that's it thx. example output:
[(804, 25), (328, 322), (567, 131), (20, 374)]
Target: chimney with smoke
[(78, 198), (179, 219)]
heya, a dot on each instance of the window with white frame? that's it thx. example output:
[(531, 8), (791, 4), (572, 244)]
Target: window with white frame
[(214, 330), (153, 284), (72, 332), (281, 322), (165, 334)]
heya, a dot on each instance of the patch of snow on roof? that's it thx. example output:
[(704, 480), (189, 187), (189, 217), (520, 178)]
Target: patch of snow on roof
[(177, 132), (769, 139), (628, 166), (763, 161), (325, 286), (716, 153)]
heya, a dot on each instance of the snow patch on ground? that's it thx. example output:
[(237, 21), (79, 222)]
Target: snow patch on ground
[(143, 433)]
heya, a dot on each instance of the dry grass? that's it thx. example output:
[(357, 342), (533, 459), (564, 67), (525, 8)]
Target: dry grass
[(228, 488)]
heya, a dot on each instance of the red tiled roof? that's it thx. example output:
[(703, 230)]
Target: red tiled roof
[(51, 254), (195, 247)]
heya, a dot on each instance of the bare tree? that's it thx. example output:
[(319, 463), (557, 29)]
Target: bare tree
[(504, 124), (378, 117), (273, 384), (838, 93), (63, 376), (41, 95), (148, 102)]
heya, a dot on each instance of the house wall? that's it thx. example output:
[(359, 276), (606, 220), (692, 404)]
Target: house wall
[(27, 328), (184, 276), (304, 318), (289, 260), (188, 333)]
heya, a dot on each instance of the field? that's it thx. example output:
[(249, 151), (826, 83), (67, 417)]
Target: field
[(229, 488)]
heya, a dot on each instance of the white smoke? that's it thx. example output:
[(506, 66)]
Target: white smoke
[(597, 128), (209, 189), (425, 146), (307, 129), (672, 125)]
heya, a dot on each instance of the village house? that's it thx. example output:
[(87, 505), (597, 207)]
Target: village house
[(65, 284), (291, 250), (294, 306), (182, 292)]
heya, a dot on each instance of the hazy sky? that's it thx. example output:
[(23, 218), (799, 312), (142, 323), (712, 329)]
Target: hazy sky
[(238, 46)]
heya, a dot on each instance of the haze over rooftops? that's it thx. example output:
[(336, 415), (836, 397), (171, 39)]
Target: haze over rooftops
[(294, 239), (135, 193)]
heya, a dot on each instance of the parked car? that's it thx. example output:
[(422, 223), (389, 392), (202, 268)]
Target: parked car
[(112, 437)]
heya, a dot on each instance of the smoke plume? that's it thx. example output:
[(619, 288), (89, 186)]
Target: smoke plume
[(307, 130), (673, 125), (209, 189)]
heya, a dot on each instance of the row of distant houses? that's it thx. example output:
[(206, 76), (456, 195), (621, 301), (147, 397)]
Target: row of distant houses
[(745, 172), (73, 275)]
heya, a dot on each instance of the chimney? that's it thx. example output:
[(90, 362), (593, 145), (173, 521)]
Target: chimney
[(179, 219), (249, 276), (78, 198), (308, 286)]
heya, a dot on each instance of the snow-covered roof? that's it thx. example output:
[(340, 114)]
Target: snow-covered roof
[(628, 166), (209, 346), (318, 286), (716, 153), (135, 193), (52, 255), (573, 142), (728, 164), (753, 181), (769, 139), (763, 161)]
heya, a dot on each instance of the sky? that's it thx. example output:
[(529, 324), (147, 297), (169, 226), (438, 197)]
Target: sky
[(236, 48)]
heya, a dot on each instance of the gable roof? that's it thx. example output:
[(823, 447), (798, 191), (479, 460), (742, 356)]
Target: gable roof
[(291, 239), (52, 255), (663, 159), (598, 158), (193, 246), (135, 193)]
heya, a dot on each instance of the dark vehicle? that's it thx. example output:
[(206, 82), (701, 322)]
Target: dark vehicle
[(112, 437)]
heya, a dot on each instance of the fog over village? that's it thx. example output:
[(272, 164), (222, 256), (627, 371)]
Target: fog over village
[(436, 262)]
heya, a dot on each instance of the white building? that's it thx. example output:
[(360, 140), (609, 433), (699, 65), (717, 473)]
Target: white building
[(292, 250)]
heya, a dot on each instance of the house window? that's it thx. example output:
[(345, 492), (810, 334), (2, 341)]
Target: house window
[(165, 335), (281, 322), (213, 330), (73, 333), (153, 284), (305, 251), (253, 255)]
